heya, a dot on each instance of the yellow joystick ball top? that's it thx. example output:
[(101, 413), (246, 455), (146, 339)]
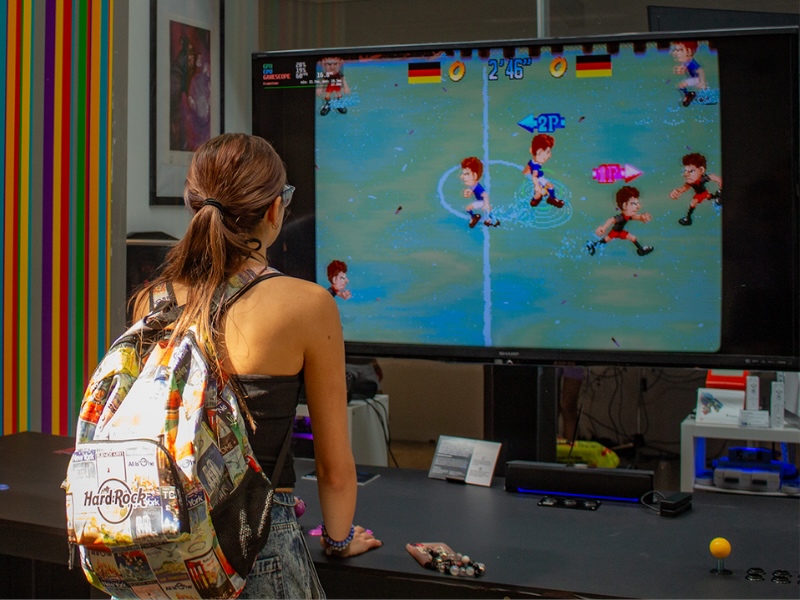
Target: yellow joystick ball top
[(720, 547)]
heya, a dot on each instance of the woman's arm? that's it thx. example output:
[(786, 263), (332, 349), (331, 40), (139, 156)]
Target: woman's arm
[(326, 390)]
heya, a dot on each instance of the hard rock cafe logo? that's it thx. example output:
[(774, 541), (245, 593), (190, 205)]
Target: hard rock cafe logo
[(114, 500)]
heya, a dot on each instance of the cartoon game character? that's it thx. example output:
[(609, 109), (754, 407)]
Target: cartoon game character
[(696, 177), (683, 53), (333, 83), (471, 171), (541, 151), (337, 275), (628, 202), (709, 403)]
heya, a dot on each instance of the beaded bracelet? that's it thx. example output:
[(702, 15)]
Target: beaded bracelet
[(455, 564), (333, 545)]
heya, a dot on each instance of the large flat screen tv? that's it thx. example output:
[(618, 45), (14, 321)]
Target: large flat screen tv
[(626, 199)]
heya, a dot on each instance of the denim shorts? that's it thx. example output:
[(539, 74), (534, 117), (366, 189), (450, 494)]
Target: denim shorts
[(284, 568)]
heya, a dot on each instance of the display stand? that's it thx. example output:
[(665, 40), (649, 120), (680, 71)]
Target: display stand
[(693, 443), (521, 412)]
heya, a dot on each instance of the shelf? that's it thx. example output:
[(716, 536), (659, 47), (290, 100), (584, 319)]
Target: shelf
[(735, 432), (694, 434)]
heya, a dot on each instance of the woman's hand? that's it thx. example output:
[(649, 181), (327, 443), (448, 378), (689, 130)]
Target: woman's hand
[(363, 540)]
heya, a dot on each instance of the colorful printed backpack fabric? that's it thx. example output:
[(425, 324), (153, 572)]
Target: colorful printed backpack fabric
[(163, 495)]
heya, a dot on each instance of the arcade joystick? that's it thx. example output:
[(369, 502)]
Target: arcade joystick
[(720, 548)]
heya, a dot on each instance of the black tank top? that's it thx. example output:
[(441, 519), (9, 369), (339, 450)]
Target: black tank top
[(272, 402)]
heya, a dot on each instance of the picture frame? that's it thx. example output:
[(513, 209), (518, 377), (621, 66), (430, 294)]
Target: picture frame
[(186, 91)]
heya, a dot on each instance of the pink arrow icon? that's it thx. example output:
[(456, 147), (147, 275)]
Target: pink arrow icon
[(612, 172)]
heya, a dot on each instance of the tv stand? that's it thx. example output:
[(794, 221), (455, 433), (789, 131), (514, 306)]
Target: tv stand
[(521, 411)]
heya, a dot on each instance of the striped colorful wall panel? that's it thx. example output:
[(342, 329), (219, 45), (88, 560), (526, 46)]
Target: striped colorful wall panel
[(55, 127)]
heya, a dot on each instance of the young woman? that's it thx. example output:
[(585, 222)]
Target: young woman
[(279, 334)]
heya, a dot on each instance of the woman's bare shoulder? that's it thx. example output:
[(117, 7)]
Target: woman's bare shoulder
[(296, 285), (294, 293)]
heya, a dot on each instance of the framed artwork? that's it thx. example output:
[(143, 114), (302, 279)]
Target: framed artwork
[(186, 99)]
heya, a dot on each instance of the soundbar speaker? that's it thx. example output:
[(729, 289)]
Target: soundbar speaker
[(625, 485)]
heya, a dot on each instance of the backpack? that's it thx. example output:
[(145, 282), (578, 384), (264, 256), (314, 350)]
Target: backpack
[(164, 497)]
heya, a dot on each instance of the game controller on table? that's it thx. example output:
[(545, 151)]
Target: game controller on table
[(720, 549)]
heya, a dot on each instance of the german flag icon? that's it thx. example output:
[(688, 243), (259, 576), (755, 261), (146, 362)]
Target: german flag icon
[(426, 72), (593, 66)]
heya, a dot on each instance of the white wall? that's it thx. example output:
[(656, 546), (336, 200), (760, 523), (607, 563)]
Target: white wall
[(241, 39)]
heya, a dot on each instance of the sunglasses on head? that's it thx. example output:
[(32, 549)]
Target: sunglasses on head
[(286, 195)]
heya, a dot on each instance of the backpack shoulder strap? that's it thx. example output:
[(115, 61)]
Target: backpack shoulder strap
[(236, 287), (228, 293), (163, 292), (282, 456), (242, 282), (251, 279)]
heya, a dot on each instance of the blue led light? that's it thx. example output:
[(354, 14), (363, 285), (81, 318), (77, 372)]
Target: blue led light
[(587, 496)]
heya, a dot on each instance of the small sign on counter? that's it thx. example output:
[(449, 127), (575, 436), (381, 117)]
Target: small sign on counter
[(464, 460)]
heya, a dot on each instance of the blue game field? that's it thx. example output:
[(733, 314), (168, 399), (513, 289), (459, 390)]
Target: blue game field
[(390, 205)]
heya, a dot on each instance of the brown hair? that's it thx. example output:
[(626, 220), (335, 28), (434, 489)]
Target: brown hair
[(244, 175), (691, 46), (625, 193), (695, 159), (542, 141), (335, 267), (474, 164)]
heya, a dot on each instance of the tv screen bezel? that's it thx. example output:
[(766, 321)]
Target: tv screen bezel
[(296, 248)]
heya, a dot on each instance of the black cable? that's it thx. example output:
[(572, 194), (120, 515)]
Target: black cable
[(383, 418), (599, 378), (587, 403), (595, 421), (662, 375), (657, 496), (619, 429), (654, 444), (619, 378), (385, 412), (662, 454), (575, 434), (384, 421), (643, 387)]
